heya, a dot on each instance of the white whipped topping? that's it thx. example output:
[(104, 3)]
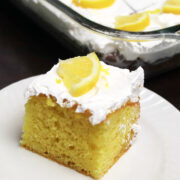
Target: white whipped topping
[(149, 51), (110, 93), (106, 16)]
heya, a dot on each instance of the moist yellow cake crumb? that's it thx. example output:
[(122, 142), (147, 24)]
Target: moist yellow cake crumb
[(69, 138)]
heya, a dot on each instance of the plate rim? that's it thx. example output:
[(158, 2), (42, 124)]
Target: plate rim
[(18, 83)]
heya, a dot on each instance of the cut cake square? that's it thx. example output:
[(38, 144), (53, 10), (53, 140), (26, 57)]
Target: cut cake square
[(87, 133)]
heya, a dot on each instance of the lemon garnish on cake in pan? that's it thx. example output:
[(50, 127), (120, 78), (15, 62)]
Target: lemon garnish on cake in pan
[(134, 22), (172, 6), (155, 11), (80, 74), (94, 4)]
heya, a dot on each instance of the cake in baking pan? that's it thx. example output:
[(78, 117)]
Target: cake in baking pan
[(129, 15)]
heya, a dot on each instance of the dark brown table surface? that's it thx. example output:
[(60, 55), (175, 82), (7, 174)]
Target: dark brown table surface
[(26, 50)]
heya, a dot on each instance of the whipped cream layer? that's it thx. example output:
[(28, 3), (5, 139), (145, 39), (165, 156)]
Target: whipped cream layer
[(150, 51), (110, 93), (106, 16)]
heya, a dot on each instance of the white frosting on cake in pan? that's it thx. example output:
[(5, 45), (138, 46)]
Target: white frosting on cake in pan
[(150, 51), (110, 93), (106, 16)]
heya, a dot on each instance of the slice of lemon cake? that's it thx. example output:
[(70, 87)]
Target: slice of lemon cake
[(82, 114)]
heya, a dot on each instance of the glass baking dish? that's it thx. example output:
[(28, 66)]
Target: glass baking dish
[(156, 51)]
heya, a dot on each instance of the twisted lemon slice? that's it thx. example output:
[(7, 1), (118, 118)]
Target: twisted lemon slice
[(80, 74), (95, 4), (172, 6), (135, 22)]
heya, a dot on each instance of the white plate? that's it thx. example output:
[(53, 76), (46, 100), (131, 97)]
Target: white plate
[(155, 154)]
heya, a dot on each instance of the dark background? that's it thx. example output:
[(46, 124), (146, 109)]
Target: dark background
[(27, 50)]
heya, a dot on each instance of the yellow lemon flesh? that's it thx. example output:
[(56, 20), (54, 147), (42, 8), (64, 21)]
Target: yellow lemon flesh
[(80, 74), (155, 11), (94, 4), (172, 6), (135, 22)]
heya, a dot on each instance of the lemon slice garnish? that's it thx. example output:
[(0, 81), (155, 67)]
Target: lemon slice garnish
[(80, 74), (155, 11), (94, 4), (172, 6), (135, 22)]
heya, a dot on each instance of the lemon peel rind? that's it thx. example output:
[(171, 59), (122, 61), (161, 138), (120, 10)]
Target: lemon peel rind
[(98, 4), (89, 84), (84, 84), (139, 25)]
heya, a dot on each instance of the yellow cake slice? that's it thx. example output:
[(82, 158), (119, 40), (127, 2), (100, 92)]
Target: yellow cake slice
[(88, 132)]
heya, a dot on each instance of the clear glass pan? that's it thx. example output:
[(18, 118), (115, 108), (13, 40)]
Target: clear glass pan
[(156, 51)]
